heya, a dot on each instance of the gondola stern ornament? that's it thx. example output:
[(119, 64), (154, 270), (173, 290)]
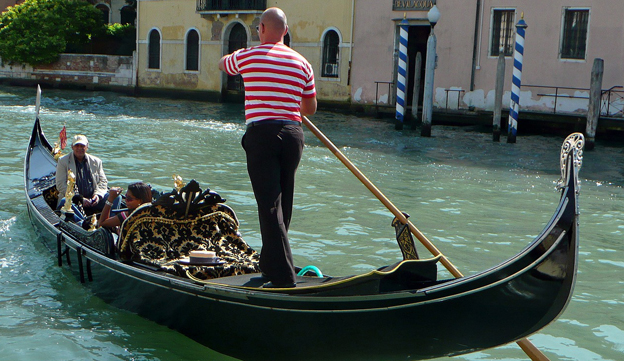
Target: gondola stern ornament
[(38, 101), (572, 145)]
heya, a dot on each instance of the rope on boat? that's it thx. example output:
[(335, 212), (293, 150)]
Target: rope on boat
[(314, 269)]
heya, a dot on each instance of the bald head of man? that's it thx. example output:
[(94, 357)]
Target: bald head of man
[(273, 25)]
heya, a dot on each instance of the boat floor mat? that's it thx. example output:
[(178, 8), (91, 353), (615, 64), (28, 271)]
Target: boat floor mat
[(44, 209), (407, 274)]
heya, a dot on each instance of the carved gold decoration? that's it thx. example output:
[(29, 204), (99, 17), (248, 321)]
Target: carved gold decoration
[(178, 183), (93, 221), (404, 239), (69, 193), (57, 152), (573, 144)]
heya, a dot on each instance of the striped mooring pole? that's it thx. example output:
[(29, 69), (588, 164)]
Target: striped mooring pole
[(402, 74), (514, 107)]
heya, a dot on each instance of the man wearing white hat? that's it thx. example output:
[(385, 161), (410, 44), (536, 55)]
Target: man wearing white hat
[(91, 181)]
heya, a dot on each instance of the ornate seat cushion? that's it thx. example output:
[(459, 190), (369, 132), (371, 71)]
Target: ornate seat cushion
[(159, 236)]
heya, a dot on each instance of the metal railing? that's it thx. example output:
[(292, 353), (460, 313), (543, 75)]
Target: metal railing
[(390, 93), (231, 5), (611, 104), (459, 91), (390, 85), (557, 95)]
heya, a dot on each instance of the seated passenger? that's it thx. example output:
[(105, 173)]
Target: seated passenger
[(91, 182), (138, 193)]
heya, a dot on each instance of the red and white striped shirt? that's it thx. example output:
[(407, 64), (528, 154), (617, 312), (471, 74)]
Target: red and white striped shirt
[(276, 78)]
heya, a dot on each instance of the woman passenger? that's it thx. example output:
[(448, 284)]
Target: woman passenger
[(138, 193)]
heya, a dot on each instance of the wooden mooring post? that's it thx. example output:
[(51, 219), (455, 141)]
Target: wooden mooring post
[(498, 97), (593, 110), (516, 81), (428, 97), (416, 93)]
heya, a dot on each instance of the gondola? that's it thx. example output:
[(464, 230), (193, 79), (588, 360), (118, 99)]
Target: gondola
[(398, 311)]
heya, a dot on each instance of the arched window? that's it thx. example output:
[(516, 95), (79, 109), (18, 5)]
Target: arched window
[(128, 15), (105, 12), (237, 40), (192, 50), (331, 55), (153, 61)]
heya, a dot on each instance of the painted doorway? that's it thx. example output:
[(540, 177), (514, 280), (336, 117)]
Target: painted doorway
[(416, 42), (237, 40)]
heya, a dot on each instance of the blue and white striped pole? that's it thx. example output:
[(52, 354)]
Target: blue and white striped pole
[(514, 107), (402, 74)]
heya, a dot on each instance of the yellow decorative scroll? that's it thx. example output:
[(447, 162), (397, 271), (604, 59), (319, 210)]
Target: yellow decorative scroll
[(69, 193), (57, 152), (177, 180), (93, 223)]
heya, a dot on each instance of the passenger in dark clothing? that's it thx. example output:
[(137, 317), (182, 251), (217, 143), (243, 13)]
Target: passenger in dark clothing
[(138, 194)]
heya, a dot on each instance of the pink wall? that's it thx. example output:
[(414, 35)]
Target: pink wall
[(541, 65), (375, 38), (373, 52)]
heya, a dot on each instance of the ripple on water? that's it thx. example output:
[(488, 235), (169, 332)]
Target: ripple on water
[(611, 334), (565, 348), (619, 264), (351, 229)]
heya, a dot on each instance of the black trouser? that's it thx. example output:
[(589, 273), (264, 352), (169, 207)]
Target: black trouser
[(273, 154)]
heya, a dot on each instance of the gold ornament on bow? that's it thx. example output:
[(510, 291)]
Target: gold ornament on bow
[(69, 193), (60, 145), (56, 151), (93, 223), (177, 181)]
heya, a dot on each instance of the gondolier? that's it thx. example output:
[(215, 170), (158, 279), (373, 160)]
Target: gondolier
[(279, 89)]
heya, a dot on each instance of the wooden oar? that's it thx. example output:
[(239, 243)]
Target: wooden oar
[(526, 345), (397, 213)]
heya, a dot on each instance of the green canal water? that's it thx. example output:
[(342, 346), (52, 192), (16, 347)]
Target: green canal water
[(480, 202)]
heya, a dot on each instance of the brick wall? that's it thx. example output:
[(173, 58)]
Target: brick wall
[(77, 69)]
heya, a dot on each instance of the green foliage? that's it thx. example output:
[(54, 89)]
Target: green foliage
[(36, 31), (119, 30), (121, 39)]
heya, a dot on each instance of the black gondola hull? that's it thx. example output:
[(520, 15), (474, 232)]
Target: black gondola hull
[(492, 308)]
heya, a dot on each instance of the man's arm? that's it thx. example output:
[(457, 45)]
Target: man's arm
[(222, 63), (101, 186), (61, 177), (308, 106)]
